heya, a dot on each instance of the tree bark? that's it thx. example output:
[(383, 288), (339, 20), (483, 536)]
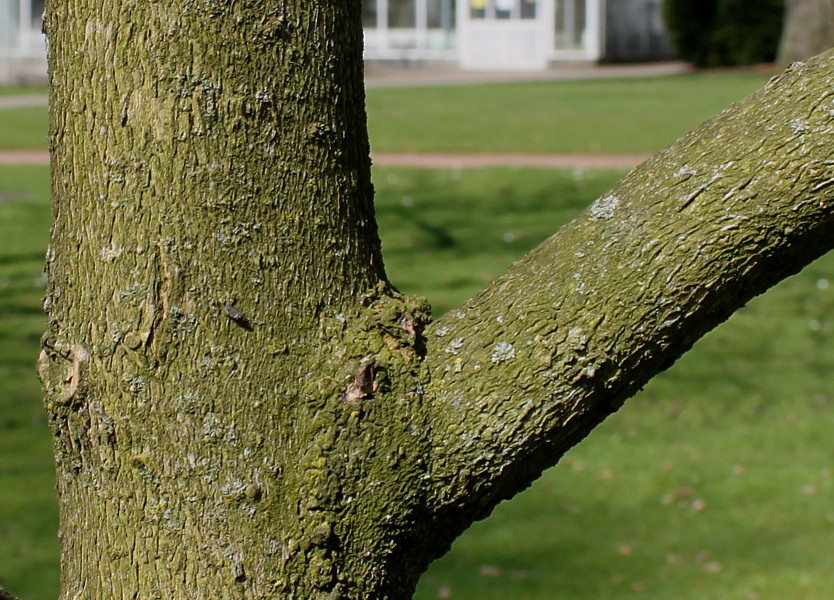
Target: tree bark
[(216, 292), (808, 30), (6, 595), (243, 407)]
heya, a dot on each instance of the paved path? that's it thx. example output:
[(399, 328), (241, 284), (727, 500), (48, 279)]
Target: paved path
[(546, 161), (431, 161), (397, 75), (24, 157), (23, 101)]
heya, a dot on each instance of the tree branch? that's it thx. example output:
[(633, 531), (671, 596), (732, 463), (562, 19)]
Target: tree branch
[(527, 368), (6, 595)]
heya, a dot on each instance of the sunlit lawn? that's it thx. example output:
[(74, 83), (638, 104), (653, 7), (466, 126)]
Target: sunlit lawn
[(603, 116)]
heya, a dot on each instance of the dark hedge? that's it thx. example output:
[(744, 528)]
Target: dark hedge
[(711, 33)]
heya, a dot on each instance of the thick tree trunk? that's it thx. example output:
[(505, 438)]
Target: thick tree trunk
[(808, 30), (243, 407), (216, 292)]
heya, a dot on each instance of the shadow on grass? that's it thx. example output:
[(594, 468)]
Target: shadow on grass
[(11, 259)]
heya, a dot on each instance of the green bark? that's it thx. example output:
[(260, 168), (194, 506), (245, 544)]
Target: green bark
[(242, 405), (210, 161)]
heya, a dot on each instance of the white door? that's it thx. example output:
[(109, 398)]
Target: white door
[(505, 34), (579, 29)]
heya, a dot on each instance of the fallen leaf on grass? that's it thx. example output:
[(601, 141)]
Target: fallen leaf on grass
[(491, 571)]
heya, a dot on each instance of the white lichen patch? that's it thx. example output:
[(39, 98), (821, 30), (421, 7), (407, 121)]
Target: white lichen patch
[(580, 285), (168, 244), (135, 293), (183, 322), (685, 171), (577, 338), (111, 253), (212, 426), (134, 384), (233, 488), (604, 208), (799, 125), (502, 351), (442, 331), (454, 346)]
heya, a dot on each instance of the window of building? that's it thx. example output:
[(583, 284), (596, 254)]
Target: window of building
[(402, 14), (502, 9), (37, 14), (369, 14), (570, 24), (412, 28)]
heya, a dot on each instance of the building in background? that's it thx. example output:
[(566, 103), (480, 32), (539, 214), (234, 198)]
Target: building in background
[(22, 45), (529, 34), (474, 34), (410, 30), (514, 34)]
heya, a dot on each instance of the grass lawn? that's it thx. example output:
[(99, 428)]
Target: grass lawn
[(715, 482), (603, 116), (22, 90), (28, 544), (23, 128)]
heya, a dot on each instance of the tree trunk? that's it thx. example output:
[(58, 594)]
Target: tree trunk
[(216, 296), (808, 30), (242, 405)]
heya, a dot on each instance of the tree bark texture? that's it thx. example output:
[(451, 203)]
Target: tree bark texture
[(808, 30), (242, 405), (216, 297)]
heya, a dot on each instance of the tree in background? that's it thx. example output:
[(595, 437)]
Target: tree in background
[(711, 33), (243, 406), (808, 29)]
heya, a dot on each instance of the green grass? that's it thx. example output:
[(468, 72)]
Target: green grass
[(602, 116), (715, 482), (23, 90), (447, 233), (28, 524), (23, 128)]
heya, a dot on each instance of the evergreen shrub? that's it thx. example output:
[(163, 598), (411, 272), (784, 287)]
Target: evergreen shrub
[(713, 33)]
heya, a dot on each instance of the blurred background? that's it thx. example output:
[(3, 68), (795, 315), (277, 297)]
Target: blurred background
[(492, 123)]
